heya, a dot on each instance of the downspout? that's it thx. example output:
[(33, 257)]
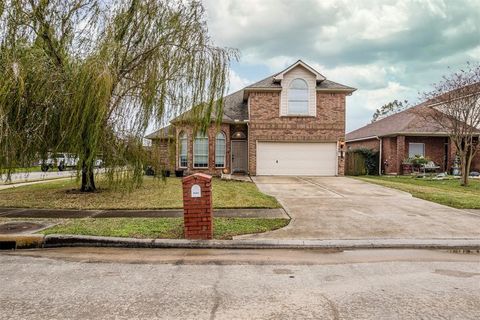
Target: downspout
[(379, 155)]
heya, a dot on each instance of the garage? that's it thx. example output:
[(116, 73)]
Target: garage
[(296, 158)]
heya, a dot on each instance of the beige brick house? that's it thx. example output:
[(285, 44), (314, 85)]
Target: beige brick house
[(291, 123)]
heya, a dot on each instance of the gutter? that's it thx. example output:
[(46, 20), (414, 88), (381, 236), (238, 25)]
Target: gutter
[(380, 155), (264, 89), (361, 139)]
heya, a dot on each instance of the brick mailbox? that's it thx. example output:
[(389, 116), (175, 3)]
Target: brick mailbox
[(197, 206)]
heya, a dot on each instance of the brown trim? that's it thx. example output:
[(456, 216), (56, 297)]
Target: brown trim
[(297, 116), (336, 90), (297, 141), (262, 89)]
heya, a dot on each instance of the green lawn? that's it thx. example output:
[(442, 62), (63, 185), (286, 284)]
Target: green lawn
[(447, 192), (154, 194), (166, 228)]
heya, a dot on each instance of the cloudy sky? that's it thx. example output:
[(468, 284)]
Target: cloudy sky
[(387, 49)]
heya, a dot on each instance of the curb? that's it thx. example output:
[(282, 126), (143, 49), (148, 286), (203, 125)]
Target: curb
[(80, 241), (56, 241), (21, 241)]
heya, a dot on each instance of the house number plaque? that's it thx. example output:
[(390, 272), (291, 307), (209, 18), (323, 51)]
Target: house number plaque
[(196, 191)]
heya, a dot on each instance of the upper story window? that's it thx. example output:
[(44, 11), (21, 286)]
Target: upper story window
[(220, 150), (298, 97), (200, 151), (182, 150)]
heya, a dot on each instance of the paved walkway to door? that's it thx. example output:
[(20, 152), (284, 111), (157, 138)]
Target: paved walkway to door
[(345, 208)]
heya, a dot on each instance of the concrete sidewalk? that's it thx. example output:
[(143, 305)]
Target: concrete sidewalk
[(174, 213)]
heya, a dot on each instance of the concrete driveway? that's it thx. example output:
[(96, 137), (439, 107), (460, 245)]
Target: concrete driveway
[(345, 208)]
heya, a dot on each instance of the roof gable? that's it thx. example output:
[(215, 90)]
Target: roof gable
[(279, 76)]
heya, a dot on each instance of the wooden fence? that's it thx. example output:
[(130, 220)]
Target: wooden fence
[(361, 162), (355, 164)]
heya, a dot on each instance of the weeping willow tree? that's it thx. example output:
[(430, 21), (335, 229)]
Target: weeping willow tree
[(88, 76)]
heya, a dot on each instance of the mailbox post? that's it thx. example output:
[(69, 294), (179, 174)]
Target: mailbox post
[(197, 206)]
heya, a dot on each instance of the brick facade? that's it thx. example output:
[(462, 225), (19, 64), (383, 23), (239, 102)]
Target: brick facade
[(266, 124), (163, 153), (434, 149), (395, 150), (212, 133)]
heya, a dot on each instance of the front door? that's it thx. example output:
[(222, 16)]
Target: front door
[(239, 156)]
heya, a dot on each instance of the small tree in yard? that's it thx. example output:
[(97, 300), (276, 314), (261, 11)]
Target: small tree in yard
[(88, 76), (456, 104)]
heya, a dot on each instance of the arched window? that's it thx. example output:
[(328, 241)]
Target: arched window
[(298, 97), (220, 149), (200, 151), (182, 150)]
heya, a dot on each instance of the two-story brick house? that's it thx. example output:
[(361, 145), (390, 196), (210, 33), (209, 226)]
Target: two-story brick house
[(291, 123)]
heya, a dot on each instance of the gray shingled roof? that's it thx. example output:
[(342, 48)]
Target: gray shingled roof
[(162, 133), (410, 121), (234, 108), (268, 83)]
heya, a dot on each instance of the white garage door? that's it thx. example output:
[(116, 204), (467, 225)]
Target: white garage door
[(296, 159)]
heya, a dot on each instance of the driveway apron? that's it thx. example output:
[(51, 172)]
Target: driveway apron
[(346, 208)]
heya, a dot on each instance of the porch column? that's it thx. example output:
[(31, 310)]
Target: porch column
[(451, 155), (401, 153)]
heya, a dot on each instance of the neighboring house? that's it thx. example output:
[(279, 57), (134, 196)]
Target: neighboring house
[(162, 148), (407, 134), (291, 123)]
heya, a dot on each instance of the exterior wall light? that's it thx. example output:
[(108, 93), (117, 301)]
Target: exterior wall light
[(239, 135)]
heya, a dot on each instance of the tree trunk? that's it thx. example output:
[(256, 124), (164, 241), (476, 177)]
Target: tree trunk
[(88, 179), (468, 165), (465, 170)]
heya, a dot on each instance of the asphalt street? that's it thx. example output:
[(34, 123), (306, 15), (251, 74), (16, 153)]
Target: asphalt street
[(107, 283)]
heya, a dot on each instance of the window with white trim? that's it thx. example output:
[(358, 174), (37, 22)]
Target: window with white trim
[(200, 151), (298, 97), (220, 150), (183, 150), (416, 149)]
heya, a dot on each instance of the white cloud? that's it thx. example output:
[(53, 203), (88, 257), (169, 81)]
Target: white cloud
[(387, 49), (236, 82), (368, 76), (376, 98), (363, 103), (374, 22)]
